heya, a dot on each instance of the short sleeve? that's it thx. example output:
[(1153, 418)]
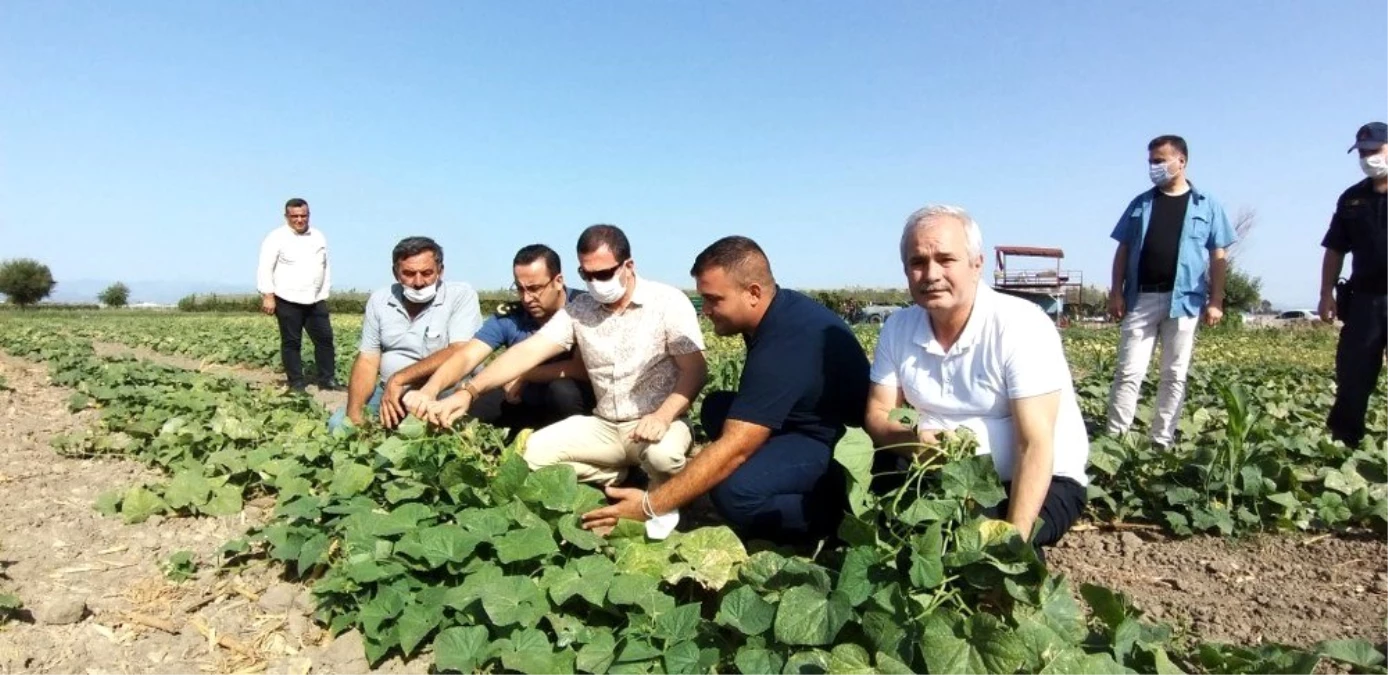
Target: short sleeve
[(371, 329), (496, 331), (559, 329), (466, 316), (1033, 358), (683, 335), (1221, 232), (884, 357), (777, 378), (1337, 237), (1123, 229)]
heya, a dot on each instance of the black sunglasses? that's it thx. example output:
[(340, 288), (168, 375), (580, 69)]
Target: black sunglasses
[(599, 275)]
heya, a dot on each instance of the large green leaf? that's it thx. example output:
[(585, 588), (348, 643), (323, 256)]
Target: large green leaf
[(854, 452), (597, 656), (927, 567), (462, 649), (189, 488), (553, 487), (758, 660), (745, 611), (570, 531), (446, 543), (849, 659), (527, 544), (640, 590), (225, 501), (514, 600), (807, 616), (415, 623), (1359, 653), (714, 554), (509, 478), (679, 624), (351, 479), (973, 478), (139, 504)]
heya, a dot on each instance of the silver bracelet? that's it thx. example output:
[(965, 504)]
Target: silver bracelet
[(646, 505)]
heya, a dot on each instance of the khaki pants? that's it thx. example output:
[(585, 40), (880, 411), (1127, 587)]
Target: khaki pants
[(601, 452)]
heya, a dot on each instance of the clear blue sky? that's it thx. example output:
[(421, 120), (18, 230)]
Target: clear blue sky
[(159, 140)]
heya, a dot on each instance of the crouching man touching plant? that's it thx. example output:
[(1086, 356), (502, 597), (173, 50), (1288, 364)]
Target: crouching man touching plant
[(967, 356), (643, 350), (550, 392), (770, 470), (409, 329)]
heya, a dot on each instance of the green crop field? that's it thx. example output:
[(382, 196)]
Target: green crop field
[(443, 543)]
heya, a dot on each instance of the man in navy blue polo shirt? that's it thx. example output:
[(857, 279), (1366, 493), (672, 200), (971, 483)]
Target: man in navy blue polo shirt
[(547, 393), (770, 470)]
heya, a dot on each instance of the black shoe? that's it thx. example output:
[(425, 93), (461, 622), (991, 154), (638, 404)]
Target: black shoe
[(298, 387), (332, 385)]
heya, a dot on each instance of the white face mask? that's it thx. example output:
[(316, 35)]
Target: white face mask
[(1159, 173), (607, 292), (1375, 166), (420, 296)]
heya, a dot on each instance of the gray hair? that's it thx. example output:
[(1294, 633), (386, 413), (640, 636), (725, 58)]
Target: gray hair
[(971, 230)]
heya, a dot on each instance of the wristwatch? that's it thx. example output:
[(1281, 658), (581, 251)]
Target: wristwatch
[(471, 389)]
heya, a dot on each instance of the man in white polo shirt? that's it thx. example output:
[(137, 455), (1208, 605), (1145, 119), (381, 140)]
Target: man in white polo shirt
[(408, 330), (293, 279), (968, 356)]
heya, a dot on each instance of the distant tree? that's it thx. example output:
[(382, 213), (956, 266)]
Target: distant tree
[(1242, 291), (25, 281), (115, 295), (1265, 307)]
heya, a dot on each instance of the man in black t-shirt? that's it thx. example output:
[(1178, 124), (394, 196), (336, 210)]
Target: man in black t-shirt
[(1358, 228), (770, 469), (1168, 271)]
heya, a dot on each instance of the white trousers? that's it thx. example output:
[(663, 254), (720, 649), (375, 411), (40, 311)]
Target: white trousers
[(1143, 325), (601, 451)]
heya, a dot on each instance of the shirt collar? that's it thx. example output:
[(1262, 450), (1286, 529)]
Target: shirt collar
[(1195, 194), (978, 315), (642, 294), (768, 318)]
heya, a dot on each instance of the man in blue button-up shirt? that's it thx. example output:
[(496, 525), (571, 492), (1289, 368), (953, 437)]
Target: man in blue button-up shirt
[(1169, 269)]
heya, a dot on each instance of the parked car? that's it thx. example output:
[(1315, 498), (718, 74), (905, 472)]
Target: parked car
[(1292, 316), (874, 313)]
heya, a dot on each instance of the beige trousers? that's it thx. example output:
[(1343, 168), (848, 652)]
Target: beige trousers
[(601, 451)]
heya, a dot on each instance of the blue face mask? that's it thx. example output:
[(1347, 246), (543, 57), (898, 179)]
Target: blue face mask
[(1159, 173)]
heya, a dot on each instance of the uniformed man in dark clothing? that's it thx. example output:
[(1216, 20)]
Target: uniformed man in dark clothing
[(1358, 228)]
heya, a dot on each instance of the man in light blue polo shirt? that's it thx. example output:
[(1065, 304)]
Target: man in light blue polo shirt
[(410, 328), (1168, 271)]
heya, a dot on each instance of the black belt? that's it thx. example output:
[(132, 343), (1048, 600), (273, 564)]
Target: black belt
[(1155, 288)]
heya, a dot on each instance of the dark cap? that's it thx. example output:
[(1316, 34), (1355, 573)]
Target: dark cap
[(1371, 136)]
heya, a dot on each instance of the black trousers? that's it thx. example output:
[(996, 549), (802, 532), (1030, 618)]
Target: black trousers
[(790, 491), (1358, 362), (542, 404), (294, 319)]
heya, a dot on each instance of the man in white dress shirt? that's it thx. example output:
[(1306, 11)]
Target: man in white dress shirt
[(293, 279), (968, 356)]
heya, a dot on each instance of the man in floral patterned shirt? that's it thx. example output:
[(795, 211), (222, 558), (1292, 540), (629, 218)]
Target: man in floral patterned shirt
[(642, 346)]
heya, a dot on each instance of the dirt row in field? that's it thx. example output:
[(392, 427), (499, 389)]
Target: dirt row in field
[(1285, 588), (1280, 588), (95, 596)]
